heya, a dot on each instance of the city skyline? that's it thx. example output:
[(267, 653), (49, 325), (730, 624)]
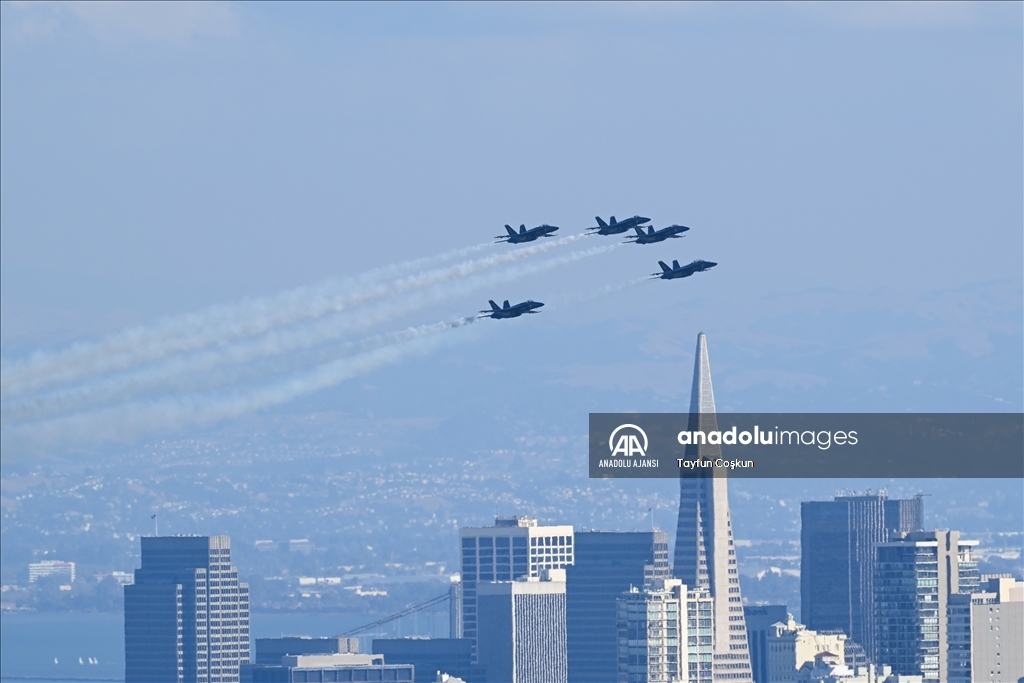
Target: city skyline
[(891, 647), (533, 603)]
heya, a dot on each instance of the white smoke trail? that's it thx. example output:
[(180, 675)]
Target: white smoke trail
[(196, 371), (128, 421), (225, 323), (181, 375)]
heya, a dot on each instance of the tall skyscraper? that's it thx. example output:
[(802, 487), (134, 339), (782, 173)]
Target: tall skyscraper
[(915, 575), (837, 540), (607, 564), (514, 548), (522, 629), (705, 557), (186, 617), (664, 634)]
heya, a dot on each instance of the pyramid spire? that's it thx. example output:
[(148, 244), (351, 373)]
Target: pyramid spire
[(705, 555), (702, 396), (702, 403)]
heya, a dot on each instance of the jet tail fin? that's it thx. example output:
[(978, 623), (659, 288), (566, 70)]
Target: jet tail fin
[(522, 229), (650, 230), (665, 268), (600, 222), (511, 232), (675, 265), (505, 305), (639, 231), (612, 220), (494, 306)]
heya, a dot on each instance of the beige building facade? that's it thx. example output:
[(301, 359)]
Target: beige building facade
[(997, 631), (792, 645)]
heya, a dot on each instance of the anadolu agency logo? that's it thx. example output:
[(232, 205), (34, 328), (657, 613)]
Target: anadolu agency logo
[(628, 444), (628, 441)]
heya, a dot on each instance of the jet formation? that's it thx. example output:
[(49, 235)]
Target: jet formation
[(613, 227)]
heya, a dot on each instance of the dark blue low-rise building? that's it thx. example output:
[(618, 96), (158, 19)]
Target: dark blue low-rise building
[(328, 668), (452, 656)]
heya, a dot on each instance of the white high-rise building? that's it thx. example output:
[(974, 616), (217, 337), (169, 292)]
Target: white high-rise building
[(512, 549), (665, 634), (62, 570)]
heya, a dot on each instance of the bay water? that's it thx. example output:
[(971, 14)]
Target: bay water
[(76, 646)]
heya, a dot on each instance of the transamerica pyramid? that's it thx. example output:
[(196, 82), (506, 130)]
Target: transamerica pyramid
[(705, 556)]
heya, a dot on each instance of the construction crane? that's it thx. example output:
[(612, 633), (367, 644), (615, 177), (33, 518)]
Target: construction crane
[(397, 615)]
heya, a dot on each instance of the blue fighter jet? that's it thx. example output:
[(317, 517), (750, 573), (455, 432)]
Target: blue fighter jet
[(525, 235), (506, 311), (613, 227), (677, 271), (652, 235)]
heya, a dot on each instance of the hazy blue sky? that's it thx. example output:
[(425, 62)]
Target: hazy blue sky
[(856, 170)]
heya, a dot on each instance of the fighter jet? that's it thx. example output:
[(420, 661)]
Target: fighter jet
[(612, 227), (677, 271), (506, 311), (525, 235), (652, 235)]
